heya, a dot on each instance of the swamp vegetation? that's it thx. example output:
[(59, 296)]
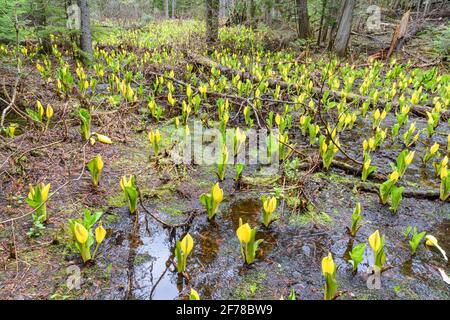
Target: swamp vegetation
[(151, 155)]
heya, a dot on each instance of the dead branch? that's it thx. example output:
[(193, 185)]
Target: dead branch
[(11, 102), (165, 224)]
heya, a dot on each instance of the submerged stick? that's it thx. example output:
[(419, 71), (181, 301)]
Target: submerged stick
[(165, 224)]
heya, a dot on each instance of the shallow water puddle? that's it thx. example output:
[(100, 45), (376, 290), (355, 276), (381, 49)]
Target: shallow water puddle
[(154, 277), (216, 269), (247, 209)]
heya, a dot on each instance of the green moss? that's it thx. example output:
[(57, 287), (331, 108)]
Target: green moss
[(168, 187), (292, 202), (141, 259), (107, 274), (362, 297), (310, 217), (117, 200), (62, 296), (30, 256), (164, 192), (173, 211), (62, 292), (250, 284), (71, 209), (334, 177), (203, 184), (92, 276), (110, 218), (407, 293), (413, 184), (261, 180)]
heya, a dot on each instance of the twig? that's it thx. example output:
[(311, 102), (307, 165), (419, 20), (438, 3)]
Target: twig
[(166, 224), (11, 103), (16, 255), (168, 264)]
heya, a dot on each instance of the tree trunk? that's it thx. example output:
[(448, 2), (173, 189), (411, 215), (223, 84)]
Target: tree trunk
[(324, 34), (86, 37), (344, 28), (321, 26), (426, 8), (212, 22), (174, 4), (268, 12), (252, 14), (331, 36), (166, 8), (331, 20), (223, 9), (40, 14), (303, 19)]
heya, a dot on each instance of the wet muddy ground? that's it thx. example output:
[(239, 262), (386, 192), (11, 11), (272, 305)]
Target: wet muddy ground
[(135, 262), (289, 257), (293, 247)]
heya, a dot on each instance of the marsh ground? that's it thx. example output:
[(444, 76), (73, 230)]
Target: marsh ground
[(136, 260)]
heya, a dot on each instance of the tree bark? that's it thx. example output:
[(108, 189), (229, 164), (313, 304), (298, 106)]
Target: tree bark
[(322, 19), (223, 9), (344, 28), (212, 22), (40, 14), (268, 12), (303, 19), (174, 4), (86, 37), (166, 8), (252, 14), (331, 20)]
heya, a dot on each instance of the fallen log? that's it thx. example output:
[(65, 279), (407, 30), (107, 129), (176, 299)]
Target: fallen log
[(357, 171), (408, 193), (374, 187)]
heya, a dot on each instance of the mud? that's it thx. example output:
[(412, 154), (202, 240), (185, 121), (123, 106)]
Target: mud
[(293, 247), (136, 259)]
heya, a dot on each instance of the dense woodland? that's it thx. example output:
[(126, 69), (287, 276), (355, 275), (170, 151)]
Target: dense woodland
[(224, 149)]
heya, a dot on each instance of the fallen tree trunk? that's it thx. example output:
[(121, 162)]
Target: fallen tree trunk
[(374, 187), (408, 193), (351, 97), (357, 171)]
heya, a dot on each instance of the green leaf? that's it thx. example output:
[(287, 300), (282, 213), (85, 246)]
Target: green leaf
[(34, 115), (407, 231), (205, 199), (357, 255), (385, 189), (396, 195), (292, 295)]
